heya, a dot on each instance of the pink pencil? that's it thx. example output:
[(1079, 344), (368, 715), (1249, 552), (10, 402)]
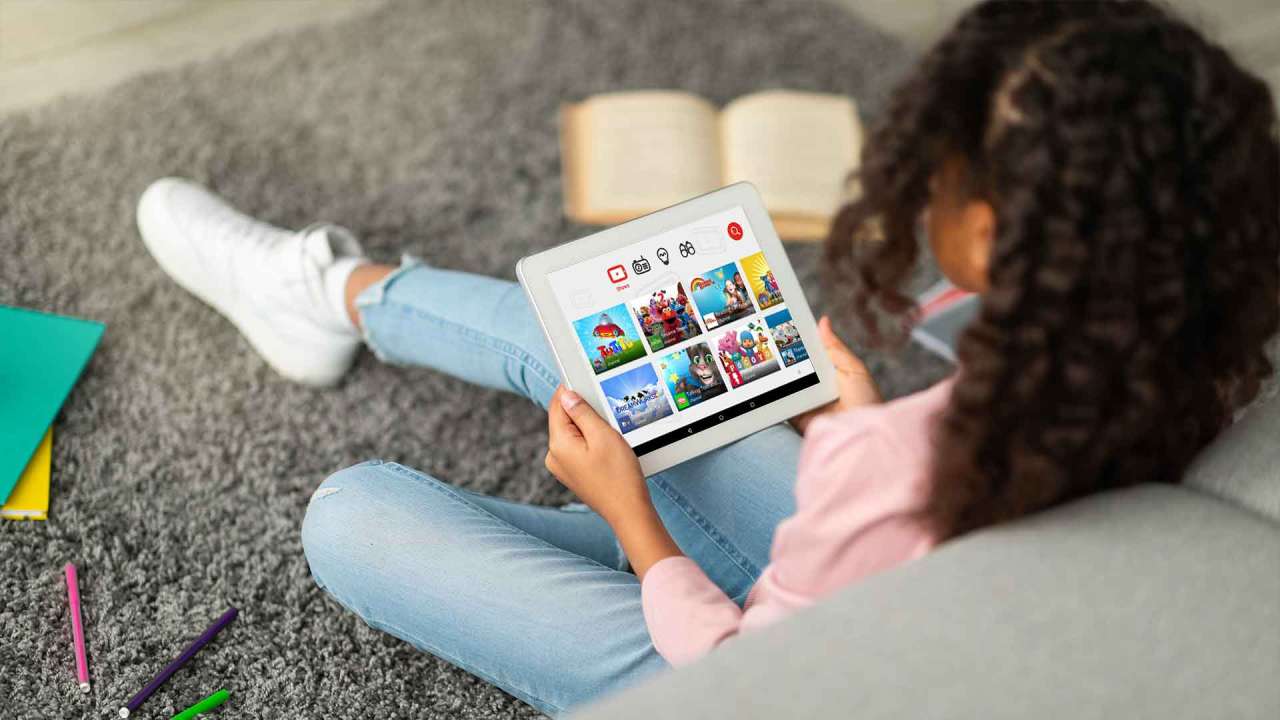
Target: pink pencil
[(77, 630)]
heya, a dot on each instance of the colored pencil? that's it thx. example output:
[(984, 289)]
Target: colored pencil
[(204, 705), (171, 668), (77, 629)]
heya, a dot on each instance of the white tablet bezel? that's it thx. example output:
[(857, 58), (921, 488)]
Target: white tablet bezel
[(576, 371)]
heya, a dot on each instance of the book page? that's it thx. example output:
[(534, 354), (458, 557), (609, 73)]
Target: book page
[(798, 148), (636, 152)]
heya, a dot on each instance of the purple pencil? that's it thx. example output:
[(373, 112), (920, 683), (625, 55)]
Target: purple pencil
[(171, 668)]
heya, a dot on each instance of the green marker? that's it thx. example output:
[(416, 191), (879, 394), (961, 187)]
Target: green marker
[(204, 705)]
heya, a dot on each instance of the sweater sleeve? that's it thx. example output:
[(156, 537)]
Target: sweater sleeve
[(852, 518), (687, 614)]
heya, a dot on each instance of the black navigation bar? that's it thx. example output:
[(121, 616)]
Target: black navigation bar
[(727, 414)]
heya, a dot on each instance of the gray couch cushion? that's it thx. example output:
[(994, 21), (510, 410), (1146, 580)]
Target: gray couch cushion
[(1151, 602), (1243, 466)]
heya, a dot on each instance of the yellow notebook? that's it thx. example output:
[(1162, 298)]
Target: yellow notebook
[(30, 497)]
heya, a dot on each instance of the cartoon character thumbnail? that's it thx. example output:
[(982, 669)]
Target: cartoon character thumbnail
[(764, 288), (691, 375), (609, 338), (786, 338), (721, 296), (665, 316), (745, 353), (636, 398)]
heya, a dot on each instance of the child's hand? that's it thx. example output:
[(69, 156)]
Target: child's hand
[(853, 380), (586, 454), (593, 461)]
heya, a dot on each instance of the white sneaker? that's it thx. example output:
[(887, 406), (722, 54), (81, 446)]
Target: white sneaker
[(282, 289)]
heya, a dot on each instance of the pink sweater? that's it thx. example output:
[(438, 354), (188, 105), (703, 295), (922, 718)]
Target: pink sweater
[(862, 473)]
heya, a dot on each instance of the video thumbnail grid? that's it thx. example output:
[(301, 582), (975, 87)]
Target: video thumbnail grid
[(681, 344)]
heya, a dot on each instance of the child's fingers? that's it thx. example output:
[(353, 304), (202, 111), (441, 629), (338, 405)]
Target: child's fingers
[(560, 427), (553, 464), (841, 356), (853, 379), (828, 336), (591, 425)]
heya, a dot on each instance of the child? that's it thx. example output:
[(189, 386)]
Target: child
[(1103, 176)]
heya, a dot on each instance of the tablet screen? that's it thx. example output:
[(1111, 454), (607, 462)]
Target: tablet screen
[(685, 330)]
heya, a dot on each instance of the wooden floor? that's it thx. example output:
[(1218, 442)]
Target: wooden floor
[(50, 48)]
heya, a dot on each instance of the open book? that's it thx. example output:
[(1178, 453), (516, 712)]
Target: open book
[(627, 154)]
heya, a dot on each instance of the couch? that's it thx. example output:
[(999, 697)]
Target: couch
[(1155, 601)]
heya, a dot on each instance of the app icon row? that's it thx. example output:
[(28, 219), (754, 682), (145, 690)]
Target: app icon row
[(708, 239)]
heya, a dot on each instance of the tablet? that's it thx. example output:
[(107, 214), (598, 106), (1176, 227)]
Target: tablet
[(685, 328)]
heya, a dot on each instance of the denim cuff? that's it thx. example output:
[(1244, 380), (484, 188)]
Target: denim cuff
[(375, 295)]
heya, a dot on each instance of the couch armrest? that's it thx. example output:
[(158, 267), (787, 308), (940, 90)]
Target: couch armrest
[(1243, 466), (1151, 602)]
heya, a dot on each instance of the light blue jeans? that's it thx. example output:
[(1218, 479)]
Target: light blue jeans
[(536, 600)]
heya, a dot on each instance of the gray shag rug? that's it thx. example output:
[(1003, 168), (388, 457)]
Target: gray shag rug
[(182, 464)]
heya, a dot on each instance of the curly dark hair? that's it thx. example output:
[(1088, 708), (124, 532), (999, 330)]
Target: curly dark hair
[(1135, 274)]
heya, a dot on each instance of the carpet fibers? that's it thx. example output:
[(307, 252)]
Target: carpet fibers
[(182, 464)]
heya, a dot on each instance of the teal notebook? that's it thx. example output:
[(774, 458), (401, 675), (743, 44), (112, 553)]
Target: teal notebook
[(41, 356)]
